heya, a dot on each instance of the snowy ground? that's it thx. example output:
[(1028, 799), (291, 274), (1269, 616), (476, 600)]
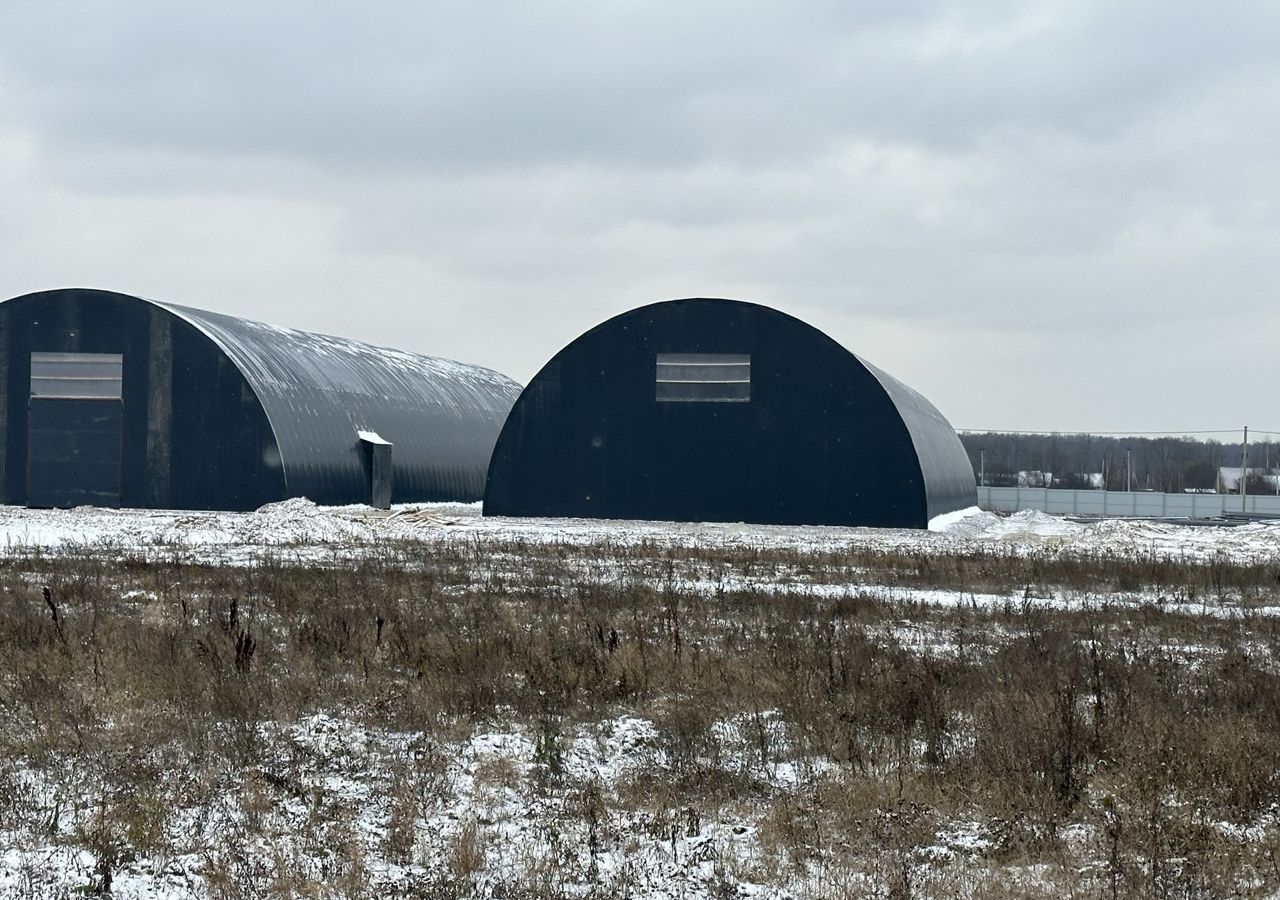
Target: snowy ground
[(299, 529), (508, 803), (504, 807)]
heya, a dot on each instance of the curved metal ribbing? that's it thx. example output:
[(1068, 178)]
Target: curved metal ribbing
[(319, 392), (227, 413)]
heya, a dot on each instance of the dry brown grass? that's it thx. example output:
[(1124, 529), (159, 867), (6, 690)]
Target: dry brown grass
[(1096, 749)]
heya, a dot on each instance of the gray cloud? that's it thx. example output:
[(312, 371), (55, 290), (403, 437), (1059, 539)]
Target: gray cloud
[(1002, 203), (663, 84)]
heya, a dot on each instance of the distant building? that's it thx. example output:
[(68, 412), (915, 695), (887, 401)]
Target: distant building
[(1034, 478), (718, 410), (109, 399), (1229, 478), (1080, 481)]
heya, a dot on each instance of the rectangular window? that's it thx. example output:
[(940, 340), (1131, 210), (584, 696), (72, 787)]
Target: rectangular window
[(76, 376), (704, 377)]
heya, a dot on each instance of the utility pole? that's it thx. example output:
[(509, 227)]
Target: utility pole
[(982, 467), (1244, 469), (1274, 480), (1128, 468)]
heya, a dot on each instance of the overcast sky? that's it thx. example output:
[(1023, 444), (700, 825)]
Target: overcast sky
[(1041, 215)]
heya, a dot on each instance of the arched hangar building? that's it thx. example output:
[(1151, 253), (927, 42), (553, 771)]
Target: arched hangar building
[(719, 410), (113, 400)]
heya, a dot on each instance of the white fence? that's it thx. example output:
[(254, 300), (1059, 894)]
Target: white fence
[(1122, 503)]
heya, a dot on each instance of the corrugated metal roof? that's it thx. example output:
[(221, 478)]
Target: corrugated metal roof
[(319, 392), (944, 464)]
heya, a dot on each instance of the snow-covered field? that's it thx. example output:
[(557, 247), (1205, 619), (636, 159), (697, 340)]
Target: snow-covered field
[(301, 530), (571, 806), (501, 806)]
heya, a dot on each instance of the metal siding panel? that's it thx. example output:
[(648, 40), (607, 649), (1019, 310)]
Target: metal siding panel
[(70, 321), (159, 409), (75, 448), (4, 411), (16, 388)]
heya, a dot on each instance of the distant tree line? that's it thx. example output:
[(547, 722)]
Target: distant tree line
[(1079, 461)]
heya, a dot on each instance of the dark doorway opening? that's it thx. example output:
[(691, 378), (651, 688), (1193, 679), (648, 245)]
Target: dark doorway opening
[(377, 456)]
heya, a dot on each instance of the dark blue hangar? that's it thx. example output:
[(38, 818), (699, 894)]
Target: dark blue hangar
[(723, 411), (113, 400)]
